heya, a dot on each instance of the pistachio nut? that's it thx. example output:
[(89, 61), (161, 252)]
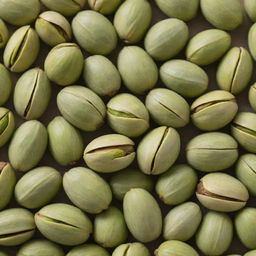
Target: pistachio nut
[(65, 7), (142, 215), (37, 187), (252, 40), (32, 94), (101, 75), (205, 150), (182, 222), (175, 248), (17, 225), (184, 77), (109, 153), (65, 141), (167, 107), (250, 253), (22, 49), (222, 192), (40, 247), (109, 228), (81, 107), (53, 28), (7, 183), (131, 249), (71, 58), (91, 192), (105, 7), (18, 12), (158, 150), (132, 20), (64, 224), (127, 115), (125, 180), (94, 32), (4, 34), (30, 140), (138, 71), (213, 110), (181, 9), (5, 84), (250, 7), (3, 253), (235, 70), (7, 125), (218, 229), (177, 185), (208, 46), (244, 130), (88, 249), (166, 39), (252, 96)]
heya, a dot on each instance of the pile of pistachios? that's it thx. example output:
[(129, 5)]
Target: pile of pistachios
[(115, 137)]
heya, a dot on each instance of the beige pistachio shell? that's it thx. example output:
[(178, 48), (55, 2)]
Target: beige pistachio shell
[(131, 249), (5, 84), (252, 40), (250, 6), (88, 249), (7, 125), (105, 7), (252, 96), (250, 253), (4, 34)]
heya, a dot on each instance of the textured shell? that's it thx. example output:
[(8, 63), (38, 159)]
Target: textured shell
[(7, 125), (250, 7), (88, 249), (4, 34), (252, 96), (131, 249), (105, 7), (252, 40), (5, 84), (246, 119)]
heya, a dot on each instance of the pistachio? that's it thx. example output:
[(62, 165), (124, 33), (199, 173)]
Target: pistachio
[(4, 34), (7, 125), (250, 6), (105, 7), (88, 249), (64, 224), (250, 253), (252, 40), (252, 96), (131, 249), (5, 84), (3, 254)]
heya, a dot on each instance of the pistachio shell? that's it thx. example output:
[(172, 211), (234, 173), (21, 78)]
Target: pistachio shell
[(252, 40), (131, 249), (88, 249), (142, 215), (105, 7), (5, 84), (252, 96), (250, 253), (4, 34), (7, 125), (91, 193), (250, 7)]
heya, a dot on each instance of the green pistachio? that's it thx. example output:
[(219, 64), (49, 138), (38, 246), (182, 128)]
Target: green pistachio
[(166, 39), (250, 253), (127, 115), (131, 249), (53, 28), (213, 110), (105, 7), (109, 153), (208, 46), (71, 59), (30, 140), (7, 125), (250, 7), (177, 185), (252, 96), (88, 250), (91, 193), (168, 108), (158, 150), (64, 224), (22, 49), (215, 233), (4, 34), (205, 151), (142, 215), (5, 84), (252, 40), (81, 107), (109, 228), (65, 141), (38, 187), (32, 94), (222, 192), (101, 75), (94, 32), (137, 69), (16, 226)]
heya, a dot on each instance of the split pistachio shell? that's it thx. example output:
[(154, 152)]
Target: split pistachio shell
[(7, 125), (132, 20), (222, 192), (252, 96), (81, 107), (168, 108), (94, 32), (37, 187), (109, 228), (91, 193), (205, 150), (30, 140), (142, 215), (214, 110), (250, 7), (131, 249), (53, 28), (22, 49), (218, 229), (105, 7), (16, 226), (166, 39), (32, 94), (158, 150), (252, 40), (109, 153), (127, 115), (177, 185), (250, 253), (64, 224), (137, 69), (235, 70), (101, 75), (208, 46), (65, 141), (4, 34), (88, 249), (5, 84)]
